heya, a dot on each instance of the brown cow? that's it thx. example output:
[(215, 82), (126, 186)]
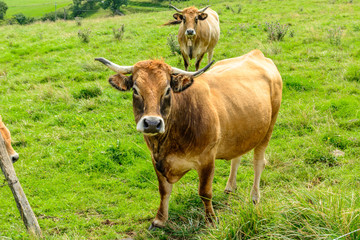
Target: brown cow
[(223, 114), (7, 137), (198, 34)]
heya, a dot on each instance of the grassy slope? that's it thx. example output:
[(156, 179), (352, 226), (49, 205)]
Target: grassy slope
[(34, 8), (70, 146)]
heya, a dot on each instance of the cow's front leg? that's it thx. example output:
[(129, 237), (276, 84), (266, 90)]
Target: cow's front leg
[(165, 190), (206, 175), (198, 61)]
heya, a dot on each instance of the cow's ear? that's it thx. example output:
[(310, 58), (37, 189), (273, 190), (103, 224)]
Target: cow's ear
[(203, 16), (178, 16), (180, 82), (121, 82)]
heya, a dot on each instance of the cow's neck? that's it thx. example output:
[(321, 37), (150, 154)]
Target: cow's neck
[(183, 127)]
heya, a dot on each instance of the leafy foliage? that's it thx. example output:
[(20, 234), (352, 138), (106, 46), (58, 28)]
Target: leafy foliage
[(3, 9), (22, 19), (113, 5)]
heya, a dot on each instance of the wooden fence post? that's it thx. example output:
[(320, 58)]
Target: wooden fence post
[(22, 203)]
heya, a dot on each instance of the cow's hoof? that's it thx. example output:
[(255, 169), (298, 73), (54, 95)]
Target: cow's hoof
[(154, 227), (228, 191)]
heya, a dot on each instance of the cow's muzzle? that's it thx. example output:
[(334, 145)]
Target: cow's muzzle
[(190, 32), (151, 125), (14, 157)]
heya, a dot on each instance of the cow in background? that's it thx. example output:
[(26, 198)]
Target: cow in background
[(198, 34), (7, 137)]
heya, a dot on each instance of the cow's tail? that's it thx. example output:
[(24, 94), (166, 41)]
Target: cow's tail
[(173, 22)]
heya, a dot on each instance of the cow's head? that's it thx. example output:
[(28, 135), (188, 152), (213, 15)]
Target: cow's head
[(190, 18), (7, 137), (153, 83)]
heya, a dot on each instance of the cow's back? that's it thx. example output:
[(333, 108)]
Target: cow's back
[(246, 92)]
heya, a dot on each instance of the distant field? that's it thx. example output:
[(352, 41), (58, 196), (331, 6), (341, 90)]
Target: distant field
[(37, 8), (88, 174), (34, 8)]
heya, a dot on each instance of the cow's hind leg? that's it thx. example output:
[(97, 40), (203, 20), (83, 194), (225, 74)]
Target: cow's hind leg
[(259, 165), (162, 215), (231, 183)]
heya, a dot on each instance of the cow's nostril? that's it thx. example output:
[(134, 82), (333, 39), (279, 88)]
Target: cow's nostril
[(158, 126), (146, 125), (14, 158)]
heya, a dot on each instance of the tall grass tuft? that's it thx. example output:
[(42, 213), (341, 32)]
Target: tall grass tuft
[(84, 35), (173, 44), (119, 32), (335, 35), (276, 31)]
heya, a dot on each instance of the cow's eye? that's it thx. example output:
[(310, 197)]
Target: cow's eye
[(168, 92), (135, 91), (196, 19)]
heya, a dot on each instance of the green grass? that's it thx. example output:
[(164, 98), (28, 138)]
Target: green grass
[(87, 172), (34, 8)]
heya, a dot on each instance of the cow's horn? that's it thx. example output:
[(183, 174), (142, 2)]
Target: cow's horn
[(115, 67), (203, 9), (193, 74), (178, 10)]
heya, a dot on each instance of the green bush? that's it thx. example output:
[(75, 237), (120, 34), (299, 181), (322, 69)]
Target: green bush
[(3, 9), (22, 19), (53, 16)]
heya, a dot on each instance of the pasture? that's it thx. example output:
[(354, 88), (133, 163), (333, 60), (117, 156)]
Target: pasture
[(88, 175), (34, 8)]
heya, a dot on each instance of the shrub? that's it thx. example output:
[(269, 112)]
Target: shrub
[(173, 44), (22, 19), (119, 33), (53, 16), (276, 31), (84, 35), (335, 36), (3, 9), (88, 93)]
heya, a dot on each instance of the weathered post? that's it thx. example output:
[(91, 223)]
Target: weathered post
[(22, 203)]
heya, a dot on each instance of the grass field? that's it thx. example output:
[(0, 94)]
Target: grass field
[(34, 8), (88, 175), (38, 8)]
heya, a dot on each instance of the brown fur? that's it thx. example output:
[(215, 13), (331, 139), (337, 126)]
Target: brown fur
[(226, 112), (7, 137)]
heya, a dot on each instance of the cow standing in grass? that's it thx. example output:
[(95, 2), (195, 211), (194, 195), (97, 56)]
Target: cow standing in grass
[(190, 119), (7, 137), (198, 34)]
